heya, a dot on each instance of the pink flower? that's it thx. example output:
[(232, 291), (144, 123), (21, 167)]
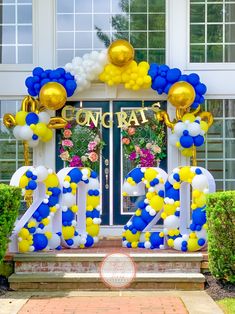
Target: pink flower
[(92, 146), (93, 157), (67, 133), (137, 149), (131, 131), (125, 141), (92, 126), (67, 143), (148, 145), (156, 149), (64, 156)]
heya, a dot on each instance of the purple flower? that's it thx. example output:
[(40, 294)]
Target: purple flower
[(132, 156), (76, 162), (92, 126), (68, 126), (147, 159)]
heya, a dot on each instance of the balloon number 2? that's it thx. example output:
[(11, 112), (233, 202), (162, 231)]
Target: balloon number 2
[(168, 198), (65, 210)]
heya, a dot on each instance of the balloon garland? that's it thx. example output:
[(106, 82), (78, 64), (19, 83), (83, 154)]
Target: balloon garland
[(37, 232), (71, 235)]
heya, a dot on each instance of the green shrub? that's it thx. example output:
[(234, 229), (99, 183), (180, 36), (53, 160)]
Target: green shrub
[(221, 235), (9, 207)]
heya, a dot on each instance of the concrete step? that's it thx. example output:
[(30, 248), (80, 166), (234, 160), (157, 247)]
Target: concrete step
[(92, 281), (90, 262)]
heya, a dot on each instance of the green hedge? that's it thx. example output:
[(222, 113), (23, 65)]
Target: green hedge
[(221, 234), (9, 208)]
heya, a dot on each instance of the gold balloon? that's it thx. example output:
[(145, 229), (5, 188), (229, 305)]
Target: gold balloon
[(181, 95), (53, 96), (121, 52)]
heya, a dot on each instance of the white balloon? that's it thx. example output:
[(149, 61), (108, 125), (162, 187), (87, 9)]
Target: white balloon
[(16, 132), (44, 117), (200, 182), (68, 199), (42, 173), (54, 241), (147, 245), (173, 139), (128, 188), (194, 129), (26, 133), (171, 222), (33, 143), (179, 128), (178, 243)]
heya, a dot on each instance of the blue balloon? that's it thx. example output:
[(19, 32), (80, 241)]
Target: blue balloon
[(53, 200), (55, 191), (32, 92), (166, 89), (198, 140), (37, 71), (136, 174), (146, 216), (89, 241), (29, 82), (32, 118), (40, 241), (159, 82), (201, 242), (62, 81), (156, 240), (193, 79), (173, 75), (43, 75), (48, 71), (75, 175), (36, 79), (29, 174), (43, 210), (32, 185), (172, 193), (186, 141), (94, 174), (200, 88), (54, 74), (67, 216), (183, 78), (138, 223), (199, 216), (61, 71), (69, 76), (44, 81), (163, 68)]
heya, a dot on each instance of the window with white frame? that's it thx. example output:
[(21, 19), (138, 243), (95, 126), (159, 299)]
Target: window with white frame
[(212, 31), (16, 32), (83, 26), (11, 152), (217, 154)]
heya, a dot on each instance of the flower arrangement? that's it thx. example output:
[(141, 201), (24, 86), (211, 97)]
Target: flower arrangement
[(81, 146), (145, 145)]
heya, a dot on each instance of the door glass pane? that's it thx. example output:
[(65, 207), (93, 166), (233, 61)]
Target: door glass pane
[(93, 24), (16, 32)]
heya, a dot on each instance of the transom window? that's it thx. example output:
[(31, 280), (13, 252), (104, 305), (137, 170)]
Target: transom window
[(83, 26), (212, 31), (16, 32)]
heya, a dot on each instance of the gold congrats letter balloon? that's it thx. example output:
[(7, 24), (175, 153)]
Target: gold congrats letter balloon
[(121, 52), (53, 96), (181, 95)]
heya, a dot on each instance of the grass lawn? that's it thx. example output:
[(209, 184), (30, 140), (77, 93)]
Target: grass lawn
[(227, 305)]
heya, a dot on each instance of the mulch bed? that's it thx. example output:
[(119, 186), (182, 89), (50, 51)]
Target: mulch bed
[(219, 289)]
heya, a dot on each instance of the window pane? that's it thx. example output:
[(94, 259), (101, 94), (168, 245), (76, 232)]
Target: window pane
[(197, 34), (216, 130), (99, 22), (229, 108), (230, 169), (215, 53), (216, 168), (197, 13), (229, 149), (214, 33), (230, 128), (215, 106), (214, 13), (197, 53), (16, 32)]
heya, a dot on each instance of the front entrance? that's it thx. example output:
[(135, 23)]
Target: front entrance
[(115, 162)]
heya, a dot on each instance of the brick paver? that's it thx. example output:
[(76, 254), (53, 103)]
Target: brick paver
[(105, 305)]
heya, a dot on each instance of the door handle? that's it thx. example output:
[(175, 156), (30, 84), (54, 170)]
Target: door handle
[(106, 171)]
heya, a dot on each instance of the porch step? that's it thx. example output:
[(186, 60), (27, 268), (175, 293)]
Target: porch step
[(90, 262), (92, 281)]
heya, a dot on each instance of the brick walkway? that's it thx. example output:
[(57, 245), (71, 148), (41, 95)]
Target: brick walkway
[(105, 304)]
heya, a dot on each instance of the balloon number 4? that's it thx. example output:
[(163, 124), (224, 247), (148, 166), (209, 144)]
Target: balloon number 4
[(65, 210), (168, 198)]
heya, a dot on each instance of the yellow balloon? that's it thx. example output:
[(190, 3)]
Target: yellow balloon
[(93, 201), (48, 136), (204, 126), (51, 180), (24, 246), (53, 96), (193, 245), (181, 95), (68, 232), (23, 181), (187, 152), (184, 173), (93, 230), (24, 233), (150, 174), (188, 116), (156, 202), (121, 52), (130, 237), (40, 129), (20, 117)]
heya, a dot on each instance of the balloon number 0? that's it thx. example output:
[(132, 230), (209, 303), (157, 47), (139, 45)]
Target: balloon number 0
[(168, 198), (66, 208)]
